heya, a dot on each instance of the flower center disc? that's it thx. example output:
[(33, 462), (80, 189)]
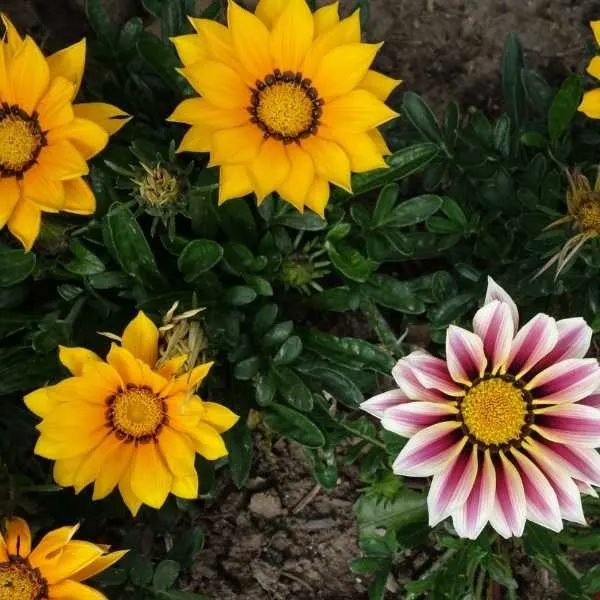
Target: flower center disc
[(136, 413), (494, 411), (18, 581), (285, 106), (21, 141), (588, 214)]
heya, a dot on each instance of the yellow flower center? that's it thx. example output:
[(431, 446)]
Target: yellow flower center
[(21, 141), (136, 414), (18, 581), (494, 411), (588, 214), (286, 107)]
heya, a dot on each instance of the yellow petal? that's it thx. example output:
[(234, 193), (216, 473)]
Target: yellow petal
[(99, 565), (196, 139), (39, 402), (590, 104), (74, 358), (217, 39), (318, 196), (29, 75), (186, 487), (190, 48), (109, 117), (237, 145), (73, 590), (87, 137), (379, 141), (3, 550), (10, 193), (595, 25), (150, 479), (141, 339), (70, 64), (56, 449), (96, 461), (361, 150), (18, 537), (380, 85), (24, 223), (76, 555), (79, 198), (74, 419), (40, 187), (292, 36), (13, 39), (132, 502), (342, 69), (357, 111), (219, 416), (63, 161), (177, 452), (208, 442), (5, 86), (65, 469), (326, 18), (126, 365), (55, 107), (113, 473), (594, 67), (269, 169), (192, 379), (250, 40), (330, 161), (199, 111), (268, 11), (300, 178), (49, 544), (234, 182), (98, 383), (218, 83), (171, 367)]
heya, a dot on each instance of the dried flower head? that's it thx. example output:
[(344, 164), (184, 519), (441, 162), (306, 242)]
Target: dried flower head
[(157, 186)]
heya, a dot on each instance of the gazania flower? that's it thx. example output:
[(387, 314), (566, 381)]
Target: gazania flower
[(289, 102), (506, 425), (45, 139), (590, 104), (129, 423), (583, 207), (55, 568)]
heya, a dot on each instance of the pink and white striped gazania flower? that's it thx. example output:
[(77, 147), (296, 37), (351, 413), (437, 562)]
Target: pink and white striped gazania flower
[(506, 425)]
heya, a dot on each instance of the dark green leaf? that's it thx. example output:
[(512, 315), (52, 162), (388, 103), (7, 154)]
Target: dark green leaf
[(500, 571), (293, 425), (564, 106), (412, 211), (130, 34), (591, 580), (277, 335), (421, 116), (512, 88), (198, 257), (349, 261), (260, 285), (502, 135), (165, 575), (359, 566), (323, 466), (392, 293), (307, 221), (15, 266), (537, 90), (188, 545), (266, 388), (384, 207), (289, 351), (141, 570), (100, 21), (161, 58), (247, 368), (239, 295), (264, 319), (85, 262), (239, 444), (25, 371), (293, 389), (109, 280), (337, 299), (339, 386), (180, 595)]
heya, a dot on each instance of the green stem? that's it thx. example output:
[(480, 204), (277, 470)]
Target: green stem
[(381, 327), (367, 438), (479, 585)]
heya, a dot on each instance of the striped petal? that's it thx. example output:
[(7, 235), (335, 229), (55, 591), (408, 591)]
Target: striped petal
[(451, 487), (533, 341), (410, 417), (495, 292), (585, 488), (470, 518), (542, 503), (494, 324), (510, 510), (430, 450), (574, 424), (464, 354), (377, 405), (407, 381), (567, 381), (592, 400), (432, 373)]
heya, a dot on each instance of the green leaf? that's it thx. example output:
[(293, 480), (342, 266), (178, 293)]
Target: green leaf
[(307, 221), (188, 545), (370, 564), (239, 444), (15, 266), (339, 386), (160, 57), (502, 135), (165, 575), (591, 580), (264, 319), (289, 351), (180, 595), (130, 34), (293, 389), (125, 239), (323, 465), (392, 293), (421, 116), (277, 335), (538, 92), (500, 571), (239, 295), (85, 262), (198, 257), (236, 220), (247, 368), (402, 163), (337, 299), (293, 425), (386, 201), (564, 106), (141, 570), (412, 211), (349, 261), (25, 371), (266, 388), (512, 87), (260, 285), (101, 22)]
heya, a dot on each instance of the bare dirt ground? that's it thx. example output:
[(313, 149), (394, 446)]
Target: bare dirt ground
[(261, 544)]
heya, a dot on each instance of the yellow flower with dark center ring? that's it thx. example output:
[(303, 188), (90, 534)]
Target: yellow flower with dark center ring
[(130, 421), (289, 102), (590, 104), (45, 139), (54, 568)]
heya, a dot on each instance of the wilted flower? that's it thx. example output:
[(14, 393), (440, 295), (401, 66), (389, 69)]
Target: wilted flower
[(289, 102), (54, 568), (157, 186), (506, 425), (130, 421), (45, 139)]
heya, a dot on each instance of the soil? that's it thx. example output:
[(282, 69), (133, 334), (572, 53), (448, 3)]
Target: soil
[(275, 540)]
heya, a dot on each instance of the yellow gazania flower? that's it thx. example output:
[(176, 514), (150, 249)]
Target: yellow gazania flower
[(590, 104), (45, 139), (55, 568), (289, 102), (130, 421)]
